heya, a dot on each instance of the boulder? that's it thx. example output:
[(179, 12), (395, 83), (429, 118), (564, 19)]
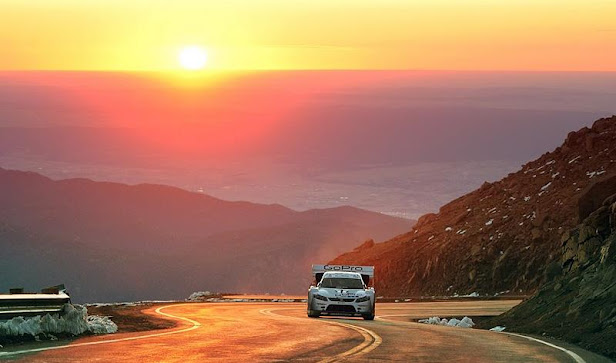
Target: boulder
[(589, 142), (425, 219), (366, 245), (595, 194), (603, 124)]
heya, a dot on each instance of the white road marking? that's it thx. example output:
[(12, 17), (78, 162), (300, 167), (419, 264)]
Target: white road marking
[(371, 339), (573, 355), (159, 311)]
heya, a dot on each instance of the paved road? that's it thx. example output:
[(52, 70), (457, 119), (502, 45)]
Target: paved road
[(281, 331)]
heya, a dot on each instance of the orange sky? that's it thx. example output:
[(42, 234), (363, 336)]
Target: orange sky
[(575, 35)]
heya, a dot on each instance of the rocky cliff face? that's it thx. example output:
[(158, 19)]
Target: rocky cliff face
[(502, 236), (578, 303)]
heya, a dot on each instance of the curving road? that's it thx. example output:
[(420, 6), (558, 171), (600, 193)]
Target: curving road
[(281, 331)]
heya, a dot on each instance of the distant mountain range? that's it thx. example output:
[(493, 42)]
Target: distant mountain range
[(502, 237), (109, 241)]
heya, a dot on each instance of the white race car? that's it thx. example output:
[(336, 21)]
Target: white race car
[(342, 290)]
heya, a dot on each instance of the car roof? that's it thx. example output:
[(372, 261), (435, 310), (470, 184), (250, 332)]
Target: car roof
[(338, 274)]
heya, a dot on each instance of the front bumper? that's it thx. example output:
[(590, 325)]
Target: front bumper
[(341, 308)]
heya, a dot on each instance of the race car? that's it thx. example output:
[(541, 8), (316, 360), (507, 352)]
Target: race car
[(342, 290)]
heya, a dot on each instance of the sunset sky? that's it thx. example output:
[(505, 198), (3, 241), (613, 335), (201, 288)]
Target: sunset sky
[(576, 35)]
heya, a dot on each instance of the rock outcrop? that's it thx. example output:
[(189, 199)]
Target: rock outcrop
[(578, 303), (504, 236)]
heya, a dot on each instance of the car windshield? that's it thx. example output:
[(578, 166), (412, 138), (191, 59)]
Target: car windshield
[(342, 283)]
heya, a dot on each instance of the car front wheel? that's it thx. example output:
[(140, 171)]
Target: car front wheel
[(313, 314)]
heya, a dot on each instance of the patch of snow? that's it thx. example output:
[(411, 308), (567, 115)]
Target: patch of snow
[(431, 238), (466, 322), (472, 294), (488, 223), (546, 186), (448, 229), (574, 159), (452, 322), (199, 295), (462, 231), (101, 324), (498, 328), (492, 210), (555, 175), (526, 198), (73, 320)]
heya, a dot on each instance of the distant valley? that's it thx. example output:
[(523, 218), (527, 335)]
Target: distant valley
[(115, 242)]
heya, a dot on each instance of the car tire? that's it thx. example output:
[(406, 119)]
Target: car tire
[(313, 314), (368, 317)]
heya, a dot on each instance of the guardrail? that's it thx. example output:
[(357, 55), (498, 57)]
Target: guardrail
[(18, 303)]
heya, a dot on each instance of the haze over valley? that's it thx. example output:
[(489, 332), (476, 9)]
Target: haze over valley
[(399, 143)]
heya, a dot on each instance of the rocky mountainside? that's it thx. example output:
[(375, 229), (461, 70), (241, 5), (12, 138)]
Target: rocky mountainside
[(578, 303), (501, 237), (110, 241)]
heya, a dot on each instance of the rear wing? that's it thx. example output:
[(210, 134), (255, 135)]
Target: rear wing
[(366, 272)]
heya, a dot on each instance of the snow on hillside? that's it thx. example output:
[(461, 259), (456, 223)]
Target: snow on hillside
[(74, 320)]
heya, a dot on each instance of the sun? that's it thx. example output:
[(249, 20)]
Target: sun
[(192, 58)]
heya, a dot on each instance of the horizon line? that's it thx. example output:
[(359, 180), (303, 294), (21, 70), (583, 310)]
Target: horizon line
[(256, 70)]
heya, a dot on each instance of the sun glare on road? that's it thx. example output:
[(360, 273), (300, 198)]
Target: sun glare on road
[(192, 58)]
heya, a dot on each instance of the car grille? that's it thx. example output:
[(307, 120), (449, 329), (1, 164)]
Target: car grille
[(340, 308), (340, 299)]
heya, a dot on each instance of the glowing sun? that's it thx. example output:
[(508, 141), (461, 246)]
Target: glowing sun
[(192, 58)]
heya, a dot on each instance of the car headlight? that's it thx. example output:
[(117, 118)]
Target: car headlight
[(363, 298), (320, 297)]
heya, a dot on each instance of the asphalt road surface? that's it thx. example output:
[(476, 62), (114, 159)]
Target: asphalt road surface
[(281, 331)]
